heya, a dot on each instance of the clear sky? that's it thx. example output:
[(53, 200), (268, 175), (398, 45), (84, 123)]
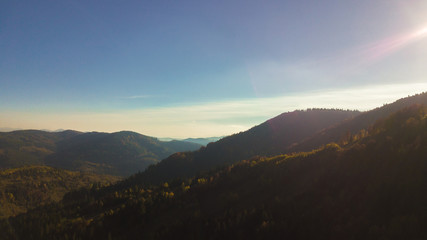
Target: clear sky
[(202, 68)]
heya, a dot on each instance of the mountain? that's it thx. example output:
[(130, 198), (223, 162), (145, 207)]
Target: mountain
[(7, 129), (289, 132), (29, 147), (369, 188), (181, 145), (345, 130), (120, 153), (270, 138), (28, 187), (203, 141)]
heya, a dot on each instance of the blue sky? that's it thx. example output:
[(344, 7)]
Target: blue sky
[(169, 68)]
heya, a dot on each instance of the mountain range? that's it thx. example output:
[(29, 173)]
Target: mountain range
[(269, 138), (289, 132), (201, 141), (368, 185), (312, 174), (28, 187), (121, 153)]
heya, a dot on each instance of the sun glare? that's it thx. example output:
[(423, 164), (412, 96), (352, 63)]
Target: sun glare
[(421, 32)]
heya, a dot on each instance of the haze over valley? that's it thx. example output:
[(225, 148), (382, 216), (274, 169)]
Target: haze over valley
[(213, 120)]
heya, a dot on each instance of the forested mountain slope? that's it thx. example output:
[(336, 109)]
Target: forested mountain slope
[(28, 187), (289, 132), (120, 153), (269, 138), (346, 129), (29, 147), (371, 188)]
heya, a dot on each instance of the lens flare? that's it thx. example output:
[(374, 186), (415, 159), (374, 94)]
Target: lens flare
[(422, 32), (388, 46)]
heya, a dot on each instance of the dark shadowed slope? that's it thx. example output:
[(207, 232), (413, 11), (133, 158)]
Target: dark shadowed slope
[(181, 145), (371, 188), (347, 129), (29, 147), (29, 187), (120, 153), (269, 138), (203, 141)]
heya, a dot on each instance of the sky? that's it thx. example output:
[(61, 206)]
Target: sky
[(202, 68)]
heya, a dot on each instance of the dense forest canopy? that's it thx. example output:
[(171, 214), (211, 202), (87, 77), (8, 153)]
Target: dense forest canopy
[(28, 187), (289, 132), (368, 186), (270, 138), (213, 120), (121, 153)]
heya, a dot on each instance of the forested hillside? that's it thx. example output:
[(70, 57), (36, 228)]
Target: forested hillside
[(372, 187), (29, 147), (346, 129), (289, 132), (28, 187), (268, 120), (269, 138), (120, 153)]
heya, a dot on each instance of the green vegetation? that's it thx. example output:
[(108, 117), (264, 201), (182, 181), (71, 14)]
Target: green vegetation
[(28, 187), (297, 131), (121, 153), (342, 131), (370, 186), (270, 138), (29, 147)]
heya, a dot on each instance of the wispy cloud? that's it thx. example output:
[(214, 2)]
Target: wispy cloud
[(213, 118), (388, 46), (360, 64), (137, 97)]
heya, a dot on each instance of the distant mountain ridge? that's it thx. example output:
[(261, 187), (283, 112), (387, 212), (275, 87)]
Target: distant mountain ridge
[(201, 141), (8, 129), (272, 137), (372, 187), (345, 129), (289, 132), (121, 153), (29, 147)]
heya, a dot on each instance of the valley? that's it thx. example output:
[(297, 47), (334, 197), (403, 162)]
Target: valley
[(362, 180)]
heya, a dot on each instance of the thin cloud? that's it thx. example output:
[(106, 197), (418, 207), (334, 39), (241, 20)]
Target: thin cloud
[(214, 118), (137, 97), (342, 68)]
